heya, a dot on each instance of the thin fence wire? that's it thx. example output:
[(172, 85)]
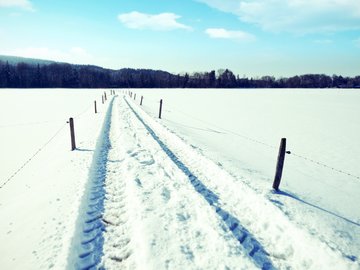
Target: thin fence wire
[(78, 116), (32, 157), (31, 124), (228, 131), (322, 164), (81, 114), (325, 165)]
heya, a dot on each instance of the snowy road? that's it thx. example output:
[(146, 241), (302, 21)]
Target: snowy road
[(162, 205)]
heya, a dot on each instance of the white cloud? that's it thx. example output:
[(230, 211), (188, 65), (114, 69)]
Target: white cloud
[(158, 22), (75, 55), (228, 34), (297, 16), (24, 4)]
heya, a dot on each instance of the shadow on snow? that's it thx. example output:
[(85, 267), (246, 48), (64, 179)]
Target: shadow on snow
[(283, 193), (296, 198), (253, 248)]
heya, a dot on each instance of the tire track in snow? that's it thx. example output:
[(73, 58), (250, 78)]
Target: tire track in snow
[(166, 225), (117, 247), (87, 247), (289, 246), (251, 245)]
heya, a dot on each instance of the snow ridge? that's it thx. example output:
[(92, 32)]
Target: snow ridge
[(254, 249), (117, 246), (88, 241)]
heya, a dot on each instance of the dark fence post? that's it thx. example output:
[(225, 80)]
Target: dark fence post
[(134, 96), (160, 109), (280, 164), (102, 98), (95, 106), (105, 95), (141, 100), (72, 134)]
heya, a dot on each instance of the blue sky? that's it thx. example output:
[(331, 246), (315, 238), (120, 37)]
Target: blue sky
[(252, 38)]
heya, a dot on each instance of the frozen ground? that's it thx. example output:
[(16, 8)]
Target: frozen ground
[(189, 191)]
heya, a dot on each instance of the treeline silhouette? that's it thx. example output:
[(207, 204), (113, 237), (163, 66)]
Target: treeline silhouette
[(63, 75)]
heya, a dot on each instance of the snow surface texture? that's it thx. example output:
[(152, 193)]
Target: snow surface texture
[(240, 130), (161, 194), (155, 219), (288, 244), (39, 205)]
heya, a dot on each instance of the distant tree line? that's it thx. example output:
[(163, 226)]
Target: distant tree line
[(62, 75)]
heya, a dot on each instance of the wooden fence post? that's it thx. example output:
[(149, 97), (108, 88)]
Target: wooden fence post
[(102, 98), (72, 134), (105, 96), (95, 106), (141, 100), (135, 96), (280, 164), (160, 109)]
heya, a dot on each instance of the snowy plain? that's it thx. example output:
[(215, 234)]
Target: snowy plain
[(240, 130), (39, 205), (192, 190)]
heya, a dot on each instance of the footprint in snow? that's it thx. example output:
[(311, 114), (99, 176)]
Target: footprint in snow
[(138, 182), (182, 217), (142, 157), (276, 202), (188, 253), (148, 162), (166, 194)]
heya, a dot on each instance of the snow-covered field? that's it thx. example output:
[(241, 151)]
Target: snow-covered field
[(39, 205), (189, 191)]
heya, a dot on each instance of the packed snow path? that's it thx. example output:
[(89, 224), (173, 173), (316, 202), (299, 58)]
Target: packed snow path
[(154, 202)]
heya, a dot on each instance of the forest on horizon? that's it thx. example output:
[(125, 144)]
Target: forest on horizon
[(47, 74)]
